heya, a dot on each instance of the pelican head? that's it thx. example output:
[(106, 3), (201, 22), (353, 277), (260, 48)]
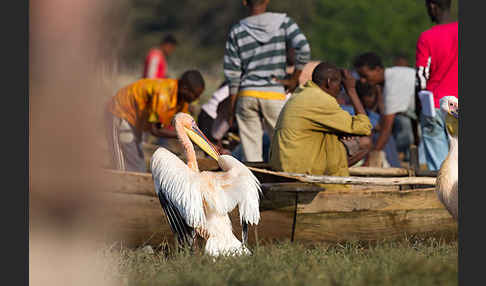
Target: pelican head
[(195, 134), (450, 106)]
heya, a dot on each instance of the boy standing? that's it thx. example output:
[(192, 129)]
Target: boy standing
[(156, 60), (254, 63), (437, 71)]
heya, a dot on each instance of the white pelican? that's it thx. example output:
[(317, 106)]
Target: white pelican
[(199, 202), (446, 184)]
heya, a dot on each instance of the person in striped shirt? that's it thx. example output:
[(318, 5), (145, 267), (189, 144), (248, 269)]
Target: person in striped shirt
[(255, 64)]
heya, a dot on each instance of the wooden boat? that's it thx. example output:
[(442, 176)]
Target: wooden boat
[(294, 208)]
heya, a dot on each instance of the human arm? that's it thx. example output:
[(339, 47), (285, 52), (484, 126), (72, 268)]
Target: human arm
[(226, 109), (380, 103), (296, 40), (326, 115), (349, 83), (232, 72), (386, 124), (422, 62), (162, 132), (292, 82)]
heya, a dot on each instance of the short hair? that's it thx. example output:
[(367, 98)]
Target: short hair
[(443, 4), (400, 56), (192, 79), (370, 59), (169, 39), (323, 71), (363, 89), (254, 2)]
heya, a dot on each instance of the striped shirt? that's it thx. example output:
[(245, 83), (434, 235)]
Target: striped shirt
[(255, 52)]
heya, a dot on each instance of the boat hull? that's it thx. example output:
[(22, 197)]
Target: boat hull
[(370, 213)]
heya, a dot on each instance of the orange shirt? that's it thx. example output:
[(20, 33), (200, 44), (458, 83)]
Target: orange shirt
[(148, 101)]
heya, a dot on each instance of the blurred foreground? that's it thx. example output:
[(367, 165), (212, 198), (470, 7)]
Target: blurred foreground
[(69, 60)]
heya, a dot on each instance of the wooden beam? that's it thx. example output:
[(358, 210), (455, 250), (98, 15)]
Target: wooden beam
[(353, 171), (291, 187), (378, 172), (352, 180)]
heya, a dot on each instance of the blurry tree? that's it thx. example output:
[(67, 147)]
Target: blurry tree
[(337, 30), (343, 29)]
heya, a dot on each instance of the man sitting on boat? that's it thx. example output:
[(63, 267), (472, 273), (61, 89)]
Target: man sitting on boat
[(312, 129), (147, 105)]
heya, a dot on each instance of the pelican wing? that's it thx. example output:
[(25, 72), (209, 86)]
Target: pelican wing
[(178, 188), (235, 186), (185, 233)]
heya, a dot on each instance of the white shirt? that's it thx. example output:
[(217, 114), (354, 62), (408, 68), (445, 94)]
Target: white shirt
[(211, 106), (399, 90)]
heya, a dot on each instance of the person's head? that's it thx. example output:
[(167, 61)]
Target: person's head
[(328, 77), (191, 86), (400, 60), (366, 94), (436, 8), (252, 4), (168, 44), (370, 68)]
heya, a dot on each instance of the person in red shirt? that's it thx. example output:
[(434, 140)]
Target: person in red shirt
[(155, 62), (437, 72)]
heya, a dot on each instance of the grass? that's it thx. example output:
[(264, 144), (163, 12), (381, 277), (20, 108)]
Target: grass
[(409, 262)]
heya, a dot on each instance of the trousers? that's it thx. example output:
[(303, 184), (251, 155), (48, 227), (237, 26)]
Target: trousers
[(254, 116), (435, 139)]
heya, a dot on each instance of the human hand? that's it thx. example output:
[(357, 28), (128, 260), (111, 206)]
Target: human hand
[(366, 162), (348, 80), (226, 110), (346, 138), (221, 149), (290, 84)]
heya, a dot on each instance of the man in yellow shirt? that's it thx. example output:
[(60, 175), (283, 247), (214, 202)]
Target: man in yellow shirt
[(309, 128), (147, 105)]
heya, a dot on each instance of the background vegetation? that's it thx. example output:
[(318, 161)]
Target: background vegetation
[(337, 30)]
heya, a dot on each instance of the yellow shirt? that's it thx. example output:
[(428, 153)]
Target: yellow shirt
[(147, 101), (305, 139)]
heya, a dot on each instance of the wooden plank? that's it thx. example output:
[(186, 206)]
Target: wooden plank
[(378, 172), (368, 200), (139, 219), (291, 187), (426, 173), (372, 225), (353, 171), (361, 212), (129, 182), (334, 216), (351, 180)]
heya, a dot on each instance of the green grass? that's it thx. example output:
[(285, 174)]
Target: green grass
[(410, 262)]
